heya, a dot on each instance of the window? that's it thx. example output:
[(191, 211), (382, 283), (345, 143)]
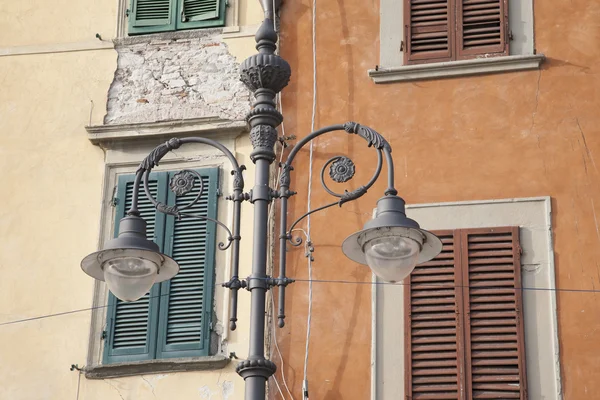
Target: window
[(464, 330), (446, 30), (174, 319), (150, 16), (448, 38), (464, 223)]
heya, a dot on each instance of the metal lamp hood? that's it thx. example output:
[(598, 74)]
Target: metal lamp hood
[(131, 242), (390, 219)]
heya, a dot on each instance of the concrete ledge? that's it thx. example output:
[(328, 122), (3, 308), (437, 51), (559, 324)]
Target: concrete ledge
[(156, 367), (450, 69), (111, 134)]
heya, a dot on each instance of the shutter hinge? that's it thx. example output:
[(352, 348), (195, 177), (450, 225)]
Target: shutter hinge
[(219, 192), (184, 18), (511, 36), (402, 46), (520, 249), (127, 12), (115, 200), (103, 336)]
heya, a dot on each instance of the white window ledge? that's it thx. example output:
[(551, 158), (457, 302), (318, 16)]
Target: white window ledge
[(156, 367), (450, 69), (109, 135)]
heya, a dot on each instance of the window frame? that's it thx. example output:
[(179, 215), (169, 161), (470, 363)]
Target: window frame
[(156, 346), (174, 20), (534, 217), (125, 146), (230, 26), (393, 68)]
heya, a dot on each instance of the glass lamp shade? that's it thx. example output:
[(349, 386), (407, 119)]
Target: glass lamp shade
[(129, 278), (392, 258)]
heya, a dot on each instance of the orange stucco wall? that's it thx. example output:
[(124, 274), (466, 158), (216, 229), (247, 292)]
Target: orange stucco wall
[(508, 135)]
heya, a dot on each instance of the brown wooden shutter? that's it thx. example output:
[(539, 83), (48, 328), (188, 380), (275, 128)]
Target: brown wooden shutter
[(495, 345), (433, 332), (482, 28), (428, 30)]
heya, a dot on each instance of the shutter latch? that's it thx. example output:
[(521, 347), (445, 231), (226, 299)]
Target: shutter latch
[(184, 18)]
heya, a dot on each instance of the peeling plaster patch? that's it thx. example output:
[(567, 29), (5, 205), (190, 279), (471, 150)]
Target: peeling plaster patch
[(227, 389), (532, 268), (176, 78), (205, 393)]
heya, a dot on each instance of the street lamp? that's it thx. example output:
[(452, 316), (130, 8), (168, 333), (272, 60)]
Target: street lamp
[(391, 244)]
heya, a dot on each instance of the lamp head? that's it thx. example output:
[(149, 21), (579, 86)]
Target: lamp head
[(130, 264), (391, 244)]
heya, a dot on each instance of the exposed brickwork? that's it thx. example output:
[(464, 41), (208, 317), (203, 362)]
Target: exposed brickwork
[(167, 78)]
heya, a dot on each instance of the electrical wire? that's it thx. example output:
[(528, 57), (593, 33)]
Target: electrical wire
[(280, 355), (308, 202), (330, 281), (270, 219)]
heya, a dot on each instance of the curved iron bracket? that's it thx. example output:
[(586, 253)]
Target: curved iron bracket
[(183, 183)]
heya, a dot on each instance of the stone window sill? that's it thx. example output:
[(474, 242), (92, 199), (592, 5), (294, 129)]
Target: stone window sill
[(451, 69), (156, 367)]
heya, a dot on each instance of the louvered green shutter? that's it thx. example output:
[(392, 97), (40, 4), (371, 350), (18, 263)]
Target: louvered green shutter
[(148, 16), (201, 14), (186, 312), (132, 327)]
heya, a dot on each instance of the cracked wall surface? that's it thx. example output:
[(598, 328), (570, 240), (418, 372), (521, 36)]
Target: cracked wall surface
[(162, 77)]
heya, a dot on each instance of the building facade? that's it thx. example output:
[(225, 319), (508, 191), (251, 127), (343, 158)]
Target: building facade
[(88, 90), (491, 111), (489, 106)]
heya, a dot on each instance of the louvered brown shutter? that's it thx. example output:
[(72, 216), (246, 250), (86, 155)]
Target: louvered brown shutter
[(482, 28), (433, 334), (428, 30), (494, 336)]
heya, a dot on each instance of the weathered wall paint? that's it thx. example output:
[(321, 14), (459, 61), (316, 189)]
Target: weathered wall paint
[(52, 184), (508, 135), (170, 77)]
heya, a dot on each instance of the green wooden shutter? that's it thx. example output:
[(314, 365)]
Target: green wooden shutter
[(186, 313), (201, 14), (132, 327), (148, 16)]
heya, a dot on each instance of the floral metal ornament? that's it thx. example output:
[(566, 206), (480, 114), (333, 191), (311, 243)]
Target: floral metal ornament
[(342, 170), (182, 182)]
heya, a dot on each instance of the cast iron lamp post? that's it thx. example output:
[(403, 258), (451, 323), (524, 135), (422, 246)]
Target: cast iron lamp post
[(391, 244)]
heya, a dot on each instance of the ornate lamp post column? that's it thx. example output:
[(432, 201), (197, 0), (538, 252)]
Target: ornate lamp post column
[(391, 244), (265, 74)]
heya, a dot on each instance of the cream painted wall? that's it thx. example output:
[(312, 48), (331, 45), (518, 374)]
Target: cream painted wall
[(52, 184)]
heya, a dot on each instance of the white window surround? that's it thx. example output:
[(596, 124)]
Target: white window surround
[(125, 146), (391, 66), (533, 216)]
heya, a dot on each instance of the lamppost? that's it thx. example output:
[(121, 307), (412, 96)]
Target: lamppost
[(391, 244)]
